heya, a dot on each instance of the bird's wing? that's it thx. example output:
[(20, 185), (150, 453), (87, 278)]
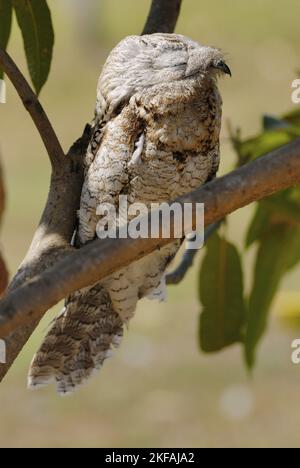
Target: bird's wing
[(215, 164), (87, 330), (108, 174)]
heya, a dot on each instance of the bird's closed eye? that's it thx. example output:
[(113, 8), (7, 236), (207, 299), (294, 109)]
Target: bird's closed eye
[(181, 64), (170, 60), (170, 66)]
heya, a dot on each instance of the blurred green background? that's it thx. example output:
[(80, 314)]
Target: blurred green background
[(158, 390)]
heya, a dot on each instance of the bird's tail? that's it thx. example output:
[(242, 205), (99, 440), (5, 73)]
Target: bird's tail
[(78, 343)]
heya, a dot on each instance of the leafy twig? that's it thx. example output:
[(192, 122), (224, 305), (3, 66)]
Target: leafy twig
[(35, 109)]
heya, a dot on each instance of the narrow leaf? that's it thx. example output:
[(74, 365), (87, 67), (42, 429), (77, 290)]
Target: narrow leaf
[(273, 123), (221, 294), (266, 142), (258, 225), (293, 253), (34, 19), (5, 25), (293, 118), (282, 208), (279, 251)]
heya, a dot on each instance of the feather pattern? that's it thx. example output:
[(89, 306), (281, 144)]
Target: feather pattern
[(156, 137)]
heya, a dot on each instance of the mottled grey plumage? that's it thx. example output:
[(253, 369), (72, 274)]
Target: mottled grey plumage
[(156, 137)]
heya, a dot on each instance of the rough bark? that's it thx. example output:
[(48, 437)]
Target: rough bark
[(261, 178)]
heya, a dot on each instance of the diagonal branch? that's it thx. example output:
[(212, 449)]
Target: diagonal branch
[(261, 178), (51, 242), (163, 16), (53, 235), (35, 109)]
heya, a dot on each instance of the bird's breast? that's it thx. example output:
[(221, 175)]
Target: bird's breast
[(193, 128)]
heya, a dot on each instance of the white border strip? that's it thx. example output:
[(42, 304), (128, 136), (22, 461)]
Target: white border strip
[(2, 92)]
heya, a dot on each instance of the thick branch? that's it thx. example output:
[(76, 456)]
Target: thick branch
[(52, 238), (33, 106), (163, 16), (261, 178), (51, 242)]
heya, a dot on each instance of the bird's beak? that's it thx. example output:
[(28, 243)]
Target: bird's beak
[(223, 67)]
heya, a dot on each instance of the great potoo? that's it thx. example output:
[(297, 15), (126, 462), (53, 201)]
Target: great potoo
[(155, 137)]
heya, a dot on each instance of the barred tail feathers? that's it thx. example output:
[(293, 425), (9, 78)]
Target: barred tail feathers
[(82, 337)]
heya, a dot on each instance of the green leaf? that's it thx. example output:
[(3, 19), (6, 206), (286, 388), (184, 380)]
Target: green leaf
[(221, 293), (258, 225), (293, 254), (282, 208), (266, 142), (294, 194), (293, 118), (34, 19), (273, 123), (277, 132), (279, 251), (5, 24)]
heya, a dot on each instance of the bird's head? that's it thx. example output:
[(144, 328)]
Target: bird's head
[(141, 62), (206, 62)]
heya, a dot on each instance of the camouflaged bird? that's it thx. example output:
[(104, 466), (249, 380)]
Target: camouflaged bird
[(155, 137)]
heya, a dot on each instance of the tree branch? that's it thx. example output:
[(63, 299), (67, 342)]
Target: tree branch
[(35, 109), (261, 178), (52, 238), (177, 276), (163, 16), (51, 242)]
